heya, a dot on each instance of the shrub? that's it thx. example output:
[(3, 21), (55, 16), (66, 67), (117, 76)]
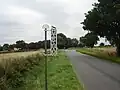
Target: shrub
[(14, 68)]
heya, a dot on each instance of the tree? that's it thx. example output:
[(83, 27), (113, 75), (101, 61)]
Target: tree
[(81, 45), (5, 46), (89, 40), (32, 45), (61, 40), (104, 20), (102, 44), (64, 42), (38, 45), (82, 41), (11, 47), (1, 48), (41, 44), (74, 42), (68, 43), (21, 44)]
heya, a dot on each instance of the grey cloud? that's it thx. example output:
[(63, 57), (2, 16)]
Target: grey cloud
[(77, 32), (55, 15), (54, 12), (8, 23)]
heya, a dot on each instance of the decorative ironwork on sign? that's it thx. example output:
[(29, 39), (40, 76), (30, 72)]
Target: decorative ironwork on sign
[(53, 40)]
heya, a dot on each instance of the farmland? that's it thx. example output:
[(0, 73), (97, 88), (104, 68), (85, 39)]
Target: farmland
[(17, 54), (14, 65)]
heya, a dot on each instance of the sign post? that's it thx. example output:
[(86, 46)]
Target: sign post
[(46, 27), (53, 47)]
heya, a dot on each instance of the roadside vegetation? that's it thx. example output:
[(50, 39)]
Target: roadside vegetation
[(60, 76), (22, 66), (103, 53), (25, 71), (12, 70)]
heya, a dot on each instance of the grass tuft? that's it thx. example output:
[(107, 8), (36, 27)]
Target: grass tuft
[(105, 55)]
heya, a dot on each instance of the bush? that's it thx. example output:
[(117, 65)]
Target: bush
[(14, 69)]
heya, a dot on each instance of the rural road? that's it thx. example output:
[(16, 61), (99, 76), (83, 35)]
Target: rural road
[(94, 73)]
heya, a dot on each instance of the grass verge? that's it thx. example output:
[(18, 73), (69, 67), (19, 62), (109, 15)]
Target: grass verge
[(100, 54), (60, 75)]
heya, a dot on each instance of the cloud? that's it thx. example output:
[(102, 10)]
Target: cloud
[(23, 19), (24, 15)]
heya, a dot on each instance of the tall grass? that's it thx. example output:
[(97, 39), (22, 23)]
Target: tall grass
[(104, 54), (12, 70)]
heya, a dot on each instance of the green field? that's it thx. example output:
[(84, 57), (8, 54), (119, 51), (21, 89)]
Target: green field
[(103, 53)]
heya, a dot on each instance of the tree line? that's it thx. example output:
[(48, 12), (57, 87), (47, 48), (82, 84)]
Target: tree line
[(21, 45), (88, 40), (63, 42)]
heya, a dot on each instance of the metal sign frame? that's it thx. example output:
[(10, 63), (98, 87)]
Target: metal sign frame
[(53, 42), (53, 45)]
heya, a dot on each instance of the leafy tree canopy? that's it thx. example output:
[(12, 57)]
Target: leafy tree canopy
[(89, 40), (5, 46), (104, 20)]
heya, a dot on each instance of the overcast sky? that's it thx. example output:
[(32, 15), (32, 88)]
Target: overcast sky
[(23, 19)]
